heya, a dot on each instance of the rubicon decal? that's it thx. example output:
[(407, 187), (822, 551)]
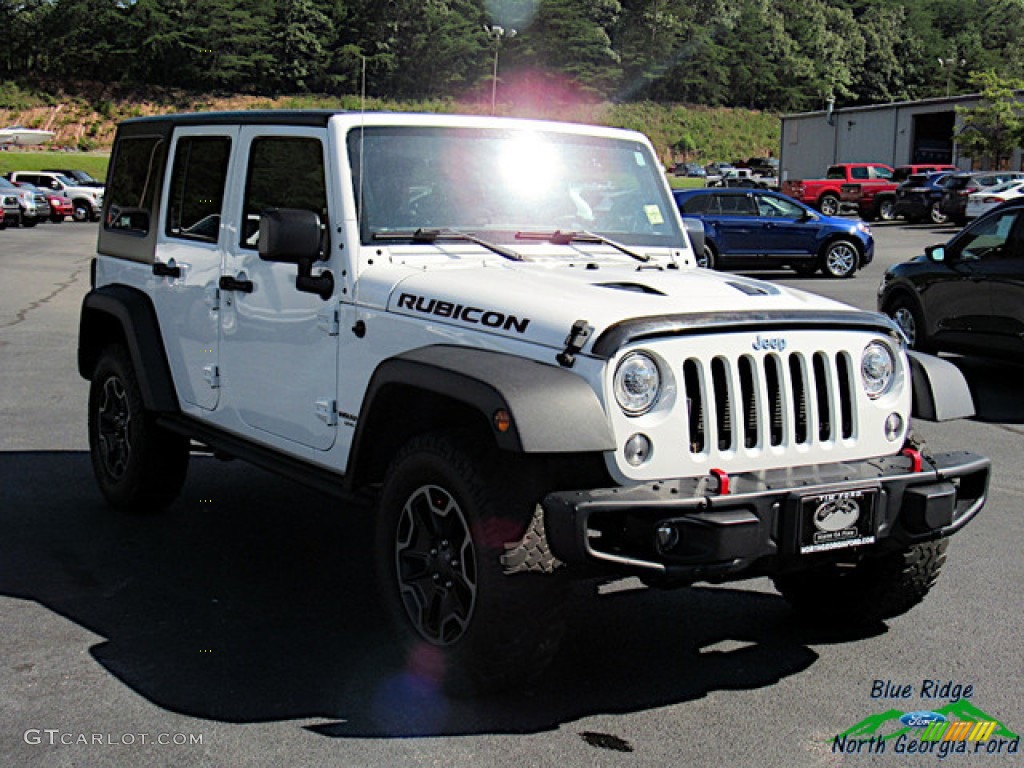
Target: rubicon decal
[(474, 315)]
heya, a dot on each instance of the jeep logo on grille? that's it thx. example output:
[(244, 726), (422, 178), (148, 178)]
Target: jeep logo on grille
[(762, 343)]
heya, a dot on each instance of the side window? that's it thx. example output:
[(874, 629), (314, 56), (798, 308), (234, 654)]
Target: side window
[(878, 172), (737, 205), (697, 204), (136, 171), (284, 172), (197, 187), (859, 173), (991, 239)]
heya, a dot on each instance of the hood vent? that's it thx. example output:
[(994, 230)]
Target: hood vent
[(754, 290), (633, 287)]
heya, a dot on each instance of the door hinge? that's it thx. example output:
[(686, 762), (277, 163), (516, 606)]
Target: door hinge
[(211, 295), (327, 412), (212, 375), (328, 319)]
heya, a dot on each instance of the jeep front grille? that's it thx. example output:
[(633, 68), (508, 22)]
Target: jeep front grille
[(755, 402)]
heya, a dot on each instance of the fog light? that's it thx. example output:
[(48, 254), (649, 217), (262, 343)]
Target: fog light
[(893, 427), (668, 537), (637, 450)]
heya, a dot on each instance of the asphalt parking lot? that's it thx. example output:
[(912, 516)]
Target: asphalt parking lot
[(242, 628)]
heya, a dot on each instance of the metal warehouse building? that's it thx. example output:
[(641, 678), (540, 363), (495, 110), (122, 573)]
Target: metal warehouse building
[(895, 134)]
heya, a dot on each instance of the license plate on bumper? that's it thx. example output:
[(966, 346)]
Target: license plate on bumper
[(837, 520)]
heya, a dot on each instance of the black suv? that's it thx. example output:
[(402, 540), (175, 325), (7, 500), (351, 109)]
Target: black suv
[(966, 295), (961, 185)]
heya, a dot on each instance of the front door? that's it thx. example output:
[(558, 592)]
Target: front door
[(279, 352)]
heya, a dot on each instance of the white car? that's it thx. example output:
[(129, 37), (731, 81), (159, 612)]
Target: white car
[(980, 203)]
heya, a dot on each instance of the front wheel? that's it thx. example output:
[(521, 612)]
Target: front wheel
[(139, 466), (446, 514), (82, 211), (840, 259), (868, 591), (910, 321), (28, 223)]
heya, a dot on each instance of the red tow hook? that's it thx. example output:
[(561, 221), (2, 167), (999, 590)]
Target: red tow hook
[(915, 458), (723, 481)]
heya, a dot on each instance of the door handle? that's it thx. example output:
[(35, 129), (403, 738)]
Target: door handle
[(228, 283), (166, 270)]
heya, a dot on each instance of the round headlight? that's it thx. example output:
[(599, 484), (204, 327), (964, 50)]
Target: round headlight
[(877, 367), (637, 383)]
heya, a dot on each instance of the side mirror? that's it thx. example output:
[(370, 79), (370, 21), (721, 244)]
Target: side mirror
[(695, 231), (936, 253), (295, 236), (290, 236)]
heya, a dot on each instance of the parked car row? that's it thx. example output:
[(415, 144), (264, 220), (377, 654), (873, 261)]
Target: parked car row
[(33, 196), (964, 296)]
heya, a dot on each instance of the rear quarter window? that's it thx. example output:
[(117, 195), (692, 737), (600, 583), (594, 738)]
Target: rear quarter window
[(136, 173)]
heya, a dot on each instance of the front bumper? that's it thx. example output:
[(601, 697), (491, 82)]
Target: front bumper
[(679, 531)]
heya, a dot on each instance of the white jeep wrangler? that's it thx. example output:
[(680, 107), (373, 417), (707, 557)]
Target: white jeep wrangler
[(498, 326)]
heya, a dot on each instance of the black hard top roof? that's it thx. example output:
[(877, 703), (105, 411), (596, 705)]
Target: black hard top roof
[(312, 117)]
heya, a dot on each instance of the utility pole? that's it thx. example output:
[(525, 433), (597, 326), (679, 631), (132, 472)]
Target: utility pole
[(498, 33)]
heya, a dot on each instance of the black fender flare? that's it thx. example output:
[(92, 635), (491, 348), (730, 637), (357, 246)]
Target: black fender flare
[(552, 410), (119, 312)]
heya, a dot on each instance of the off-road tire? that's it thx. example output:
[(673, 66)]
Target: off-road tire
[(485, 630), (866, 592), (828, 204), (139, 466), (840, 259)]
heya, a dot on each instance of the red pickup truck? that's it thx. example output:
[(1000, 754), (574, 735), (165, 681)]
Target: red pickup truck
[(863, 180)]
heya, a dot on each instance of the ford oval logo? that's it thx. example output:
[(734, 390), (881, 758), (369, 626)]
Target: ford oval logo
[(836, 515), (922, 718), (761, 343)]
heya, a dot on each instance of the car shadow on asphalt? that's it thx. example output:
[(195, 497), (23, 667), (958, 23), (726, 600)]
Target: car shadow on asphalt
[(252, 600), (995, 387)]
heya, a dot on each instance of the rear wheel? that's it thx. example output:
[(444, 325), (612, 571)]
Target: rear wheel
[(139, 466), (447, 512), (28, 223), (828, 204), (886, 209), (707, 258), (840, 259), (936, 215), (868, 591)]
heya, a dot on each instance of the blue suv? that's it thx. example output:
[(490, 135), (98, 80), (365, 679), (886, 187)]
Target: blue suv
[(753, 229)]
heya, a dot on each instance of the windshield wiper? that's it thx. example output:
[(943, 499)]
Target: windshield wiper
[(558, 237), (433, 235)]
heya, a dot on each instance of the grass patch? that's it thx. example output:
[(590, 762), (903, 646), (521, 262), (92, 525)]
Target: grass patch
[(94, 163)]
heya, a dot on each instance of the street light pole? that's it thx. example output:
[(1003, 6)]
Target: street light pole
[(498, 33)]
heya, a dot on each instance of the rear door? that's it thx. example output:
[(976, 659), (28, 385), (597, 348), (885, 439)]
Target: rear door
[(738, 225), (191, 242)]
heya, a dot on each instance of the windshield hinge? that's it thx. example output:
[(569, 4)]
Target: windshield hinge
[(327, 412), (574, 342)]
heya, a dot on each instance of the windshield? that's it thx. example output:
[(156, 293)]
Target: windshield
[(497, 183)]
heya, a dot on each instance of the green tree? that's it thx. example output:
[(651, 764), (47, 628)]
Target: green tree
[(995, 127)]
